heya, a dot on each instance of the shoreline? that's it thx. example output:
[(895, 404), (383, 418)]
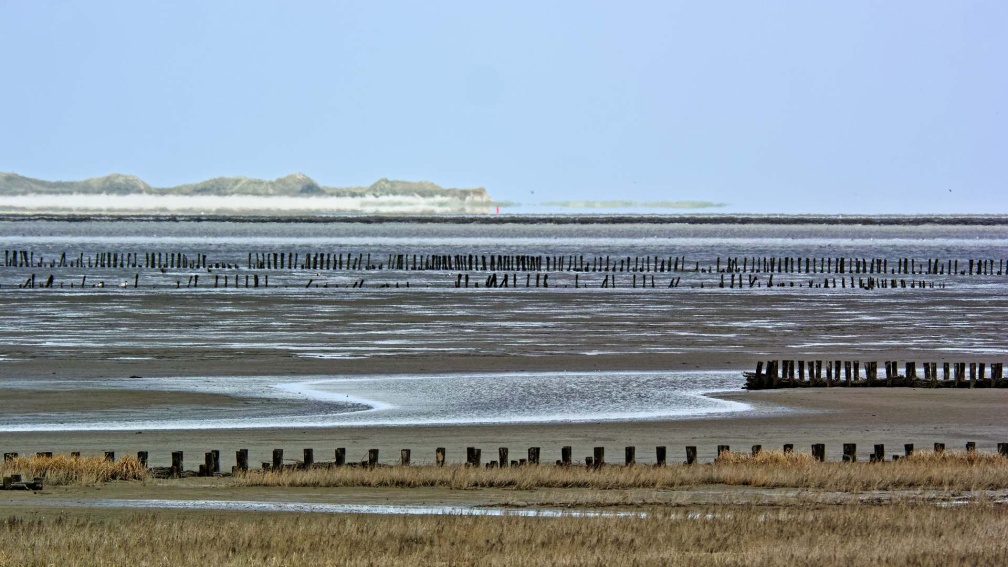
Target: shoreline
[(801, 417)]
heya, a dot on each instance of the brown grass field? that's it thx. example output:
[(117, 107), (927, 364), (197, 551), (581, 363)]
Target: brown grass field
[(770, 469), (931, 516), (899, 534)]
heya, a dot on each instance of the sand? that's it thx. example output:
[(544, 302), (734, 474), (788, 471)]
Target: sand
[(802, 417)]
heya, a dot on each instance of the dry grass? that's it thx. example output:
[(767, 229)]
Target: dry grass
[(770, 469), (901, 534), (65, 469)]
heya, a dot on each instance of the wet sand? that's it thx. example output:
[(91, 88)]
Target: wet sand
[(802, 417), (552, 332)]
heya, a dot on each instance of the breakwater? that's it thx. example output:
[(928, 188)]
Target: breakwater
[(776, 374)]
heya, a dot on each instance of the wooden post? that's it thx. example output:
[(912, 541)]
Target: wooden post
[(565, 455), (176, 464), (206, 469), (756, 450), (788, 448), (819, 452), (340, 456), (439, 456), (309, 458), (879, 454), (372, 458), (849, 452), (277, 459), (533, 455), (472, 458), (660, 455), (971, 446), (598, 456), (142, 457), (1002, 449), (630, 456), (110, 456), (939, 448), (502, 456), (908, 449), (404, 457), (722, 449), (241, 459), (691, 454)]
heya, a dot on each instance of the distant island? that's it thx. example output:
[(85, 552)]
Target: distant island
[(295, 194)]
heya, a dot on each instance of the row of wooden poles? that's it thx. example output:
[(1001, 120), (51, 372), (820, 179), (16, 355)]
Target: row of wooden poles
[(512, 262), (783, 374), (211, 464), (495, 279), (505, 280)]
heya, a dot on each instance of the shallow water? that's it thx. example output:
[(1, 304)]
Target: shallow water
[(438, 399), (955, 315)]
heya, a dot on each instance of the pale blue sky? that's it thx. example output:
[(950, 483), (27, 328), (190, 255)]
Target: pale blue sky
[(767, 106)]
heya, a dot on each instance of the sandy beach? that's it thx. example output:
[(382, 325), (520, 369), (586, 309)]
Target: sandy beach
[(801, 417)]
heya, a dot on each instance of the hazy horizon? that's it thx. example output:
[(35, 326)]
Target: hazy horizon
[(774, 107)]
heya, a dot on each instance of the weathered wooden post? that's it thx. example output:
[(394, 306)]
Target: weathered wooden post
[(241, 459), (404, 457), (972, 375), (206, 469), (756, 450), (372, 458), (1002, 449), (309, 458), (819, 452), (849, 452), (939, 448), (908, 449), (598, 454), (691, 454), (277, 459), (142, 457), (788, 448), (110, 456), (533, 455), (176, 464), (660, 456), (439, 456), (565, 455), (721, 449), (340, 456), (630, 456), (472, 458), (971, 446), (879, 455)]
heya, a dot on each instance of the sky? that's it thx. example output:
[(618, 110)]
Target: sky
[(762, 107)]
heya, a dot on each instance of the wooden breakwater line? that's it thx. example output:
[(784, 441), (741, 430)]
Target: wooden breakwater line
[(211, 465), (483, 262), (836, 373), (492, 270)]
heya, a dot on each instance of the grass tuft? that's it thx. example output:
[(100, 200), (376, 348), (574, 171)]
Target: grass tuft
[(62, 469)]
